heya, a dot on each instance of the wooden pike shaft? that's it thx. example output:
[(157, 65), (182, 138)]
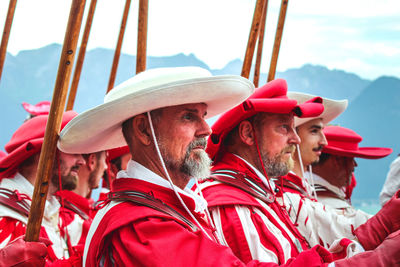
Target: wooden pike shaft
[(278, 38), (117, 52), (81, 56), (142, 36), (6, 33), (49, 148), (260, 45), (251, 43)]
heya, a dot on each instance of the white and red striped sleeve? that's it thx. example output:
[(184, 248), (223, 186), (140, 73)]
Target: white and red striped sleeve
[(250, 234), (10, 229), (318, 223)]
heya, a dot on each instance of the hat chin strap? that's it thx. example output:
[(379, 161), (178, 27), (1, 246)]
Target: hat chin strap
[(169, 178)]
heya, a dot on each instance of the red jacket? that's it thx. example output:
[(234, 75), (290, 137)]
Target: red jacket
[(254, 229), (126, 234)]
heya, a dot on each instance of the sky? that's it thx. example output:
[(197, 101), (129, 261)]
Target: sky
[(358, 36)]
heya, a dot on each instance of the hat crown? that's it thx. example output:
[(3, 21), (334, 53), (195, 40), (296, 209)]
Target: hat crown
[(332, 108), (154, 78), (337, 133), (34, 129)]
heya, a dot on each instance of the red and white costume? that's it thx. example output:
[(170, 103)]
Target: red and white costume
[(76, 215), (334, 197), (254, 229), (318, 223), (126, 234), (13, 223)]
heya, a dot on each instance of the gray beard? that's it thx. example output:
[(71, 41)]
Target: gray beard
[(275, 167), (197, 166)]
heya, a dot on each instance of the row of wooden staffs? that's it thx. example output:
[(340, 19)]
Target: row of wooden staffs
[(49, 147)]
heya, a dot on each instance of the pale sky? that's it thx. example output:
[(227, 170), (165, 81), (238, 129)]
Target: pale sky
[(359, 36)]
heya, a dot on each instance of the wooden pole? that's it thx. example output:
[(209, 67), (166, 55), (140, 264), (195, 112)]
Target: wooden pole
[(6, 33), (251, 43), (49, 148), (278, 38), (142, 36), (260, 45), (117, 52), (81, 56)]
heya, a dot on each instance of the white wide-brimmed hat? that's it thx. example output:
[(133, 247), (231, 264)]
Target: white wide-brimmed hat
[(100, 128), (332, 108)]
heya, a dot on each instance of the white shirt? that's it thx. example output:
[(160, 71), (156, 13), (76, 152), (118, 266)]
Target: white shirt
[(392, 183)]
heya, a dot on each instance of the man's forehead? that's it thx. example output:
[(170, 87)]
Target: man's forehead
[(194, 107), (285, 118), (314, 123)]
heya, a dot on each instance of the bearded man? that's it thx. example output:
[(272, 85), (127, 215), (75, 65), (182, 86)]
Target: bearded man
[(18, 174), (250, 144), (151, 219)]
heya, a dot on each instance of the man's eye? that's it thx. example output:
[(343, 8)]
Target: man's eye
[(188, 116), (285, 128)]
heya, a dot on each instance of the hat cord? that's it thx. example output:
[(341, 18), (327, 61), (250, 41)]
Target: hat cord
[(268, 185), (169, 178), (211, 222)]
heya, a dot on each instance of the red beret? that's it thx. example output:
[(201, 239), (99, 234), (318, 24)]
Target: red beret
[(344, 142), (117, 152), (41, 108), (26, 142), (269, 98)]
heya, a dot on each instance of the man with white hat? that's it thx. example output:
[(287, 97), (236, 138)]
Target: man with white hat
[(251, 144), (333, 172), (149, 218)]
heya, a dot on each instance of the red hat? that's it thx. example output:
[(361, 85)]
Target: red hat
[(344, 142), (26, 142), (269, 98), (41, 108), (117, 152), (2, 154)]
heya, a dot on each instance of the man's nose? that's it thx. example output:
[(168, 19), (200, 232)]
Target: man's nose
[(323, 141), (204, 129), (294, 137), (80, 159)]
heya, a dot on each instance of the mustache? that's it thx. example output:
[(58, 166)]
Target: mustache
[(289, 148), (319, 148), (74, 168), (202, 142)]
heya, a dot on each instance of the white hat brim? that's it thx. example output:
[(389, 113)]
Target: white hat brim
[(332, 108), (100, 129)]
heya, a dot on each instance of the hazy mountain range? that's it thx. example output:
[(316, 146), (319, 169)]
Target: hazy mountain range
[(374, 110)]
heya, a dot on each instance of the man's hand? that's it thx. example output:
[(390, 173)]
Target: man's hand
[(387, 254), (21, 253), (377, 228)]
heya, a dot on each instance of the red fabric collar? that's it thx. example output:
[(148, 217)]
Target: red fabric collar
[(229, 161), (84, 204), (222, 194), (165, 194), (295, 183)]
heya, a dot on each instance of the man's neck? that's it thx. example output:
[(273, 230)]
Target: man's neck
[(82, 189), (297, 169)]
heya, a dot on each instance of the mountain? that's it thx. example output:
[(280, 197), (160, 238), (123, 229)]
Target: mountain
[(373, 111)]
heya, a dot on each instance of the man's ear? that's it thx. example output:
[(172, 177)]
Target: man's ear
[(141, 129), (246, 132), (91, 162)]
